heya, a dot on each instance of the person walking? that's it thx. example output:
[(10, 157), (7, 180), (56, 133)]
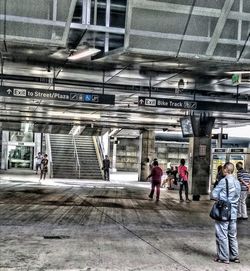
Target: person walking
[(156, 174), (226, 231), (44, 167), (38, 158), (106, 167), (244, 179), (183, 177)]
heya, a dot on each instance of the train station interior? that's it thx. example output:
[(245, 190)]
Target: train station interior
[(134, 80)]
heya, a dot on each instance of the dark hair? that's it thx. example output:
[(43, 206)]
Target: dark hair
[(239, 164), (182, 162), (155, 163)]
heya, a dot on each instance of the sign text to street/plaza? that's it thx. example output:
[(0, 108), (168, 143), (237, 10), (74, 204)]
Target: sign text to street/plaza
[(58, 95), (192, 105)]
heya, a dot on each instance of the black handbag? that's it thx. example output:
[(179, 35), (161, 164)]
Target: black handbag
[(221, 209)]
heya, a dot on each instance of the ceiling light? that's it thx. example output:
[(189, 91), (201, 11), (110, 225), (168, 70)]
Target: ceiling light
[(142, 119), (84, 53), (74, 115), (238, 72)]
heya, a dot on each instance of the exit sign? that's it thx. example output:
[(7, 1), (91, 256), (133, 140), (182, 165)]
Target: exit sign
[(236, 79), (216, 136)]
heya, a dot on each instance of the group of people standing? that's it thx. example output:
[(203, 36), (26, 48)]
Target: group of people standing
[(227, 187), (235, 190), (156, 175), (243, 178), (42, 163)]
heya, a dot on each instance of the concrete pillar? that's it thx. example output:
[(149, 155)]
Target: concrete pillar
[(146, 153), (4, 155), (37, 147), (114, 154), (199, 165), (200, 155)]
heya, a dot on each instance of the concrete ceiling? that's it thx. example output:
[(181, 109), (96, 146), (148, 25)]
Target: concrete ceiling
[(34, 54)]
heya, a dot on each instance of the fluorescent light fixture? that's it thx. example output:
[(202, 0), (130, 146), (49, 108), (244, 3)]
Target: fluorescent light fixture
[(74, 115), (238, 72), (84, 53), (151, 120)]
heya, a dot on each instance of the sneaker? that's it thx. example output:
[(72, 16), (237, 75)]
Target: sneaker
[(221, 261), (236, 260), (150, 197), (181, 200), (156, 200), (188, 200)]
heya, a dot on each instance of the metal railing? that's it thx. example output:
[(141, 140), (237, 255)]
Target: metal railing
[(99, 152), (77, 164), (49, 153)]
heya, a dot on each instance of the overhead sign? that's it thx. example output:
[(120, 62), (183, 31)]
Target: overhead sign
[(216, 136), (236, 79), (192, 105), (58, 95), (168, 103)]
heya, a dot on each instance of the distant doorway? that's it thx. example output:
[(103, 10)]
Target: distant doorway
[(20, 157)]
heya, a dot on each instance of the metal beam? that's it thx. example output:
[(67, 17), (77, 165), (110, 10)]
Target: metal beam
[(107, 24), (170, 36), (68, 22), (219, 27), (185, 9)]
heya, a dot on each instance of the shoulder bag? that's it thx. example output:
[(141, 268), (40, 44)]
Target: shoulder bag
[(221, 210)]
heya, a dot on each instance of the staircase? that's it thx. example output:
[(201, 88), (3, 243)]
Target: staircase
[(63, 159), (90, 168), (64, 162)]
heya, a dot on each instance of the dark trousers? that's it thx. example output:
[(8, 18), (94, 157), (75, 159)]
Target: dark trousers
[(106, 174), (157, 185), (185, 184)]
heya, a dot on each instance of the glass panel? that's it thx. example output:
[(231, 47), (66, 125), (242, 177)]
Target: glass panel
[(218, 159), (21, 136), (20, 157)]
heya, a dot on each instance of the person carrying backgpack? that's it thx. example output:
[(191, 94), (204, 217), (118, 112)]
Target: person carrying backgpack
[(244, 179)]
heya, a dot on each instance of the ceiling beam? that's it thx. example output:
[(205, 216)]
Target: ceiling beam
[(219, 27), (185, 9)]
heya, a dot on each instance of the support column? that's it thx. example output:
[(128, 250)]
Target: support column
[(200, 156), (37, 147), (114, 154), (4, 155), (199, 165), (146, 153)]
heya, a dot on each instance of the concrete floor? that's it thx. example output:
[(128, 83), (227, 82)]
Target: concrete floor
[(97, 225)]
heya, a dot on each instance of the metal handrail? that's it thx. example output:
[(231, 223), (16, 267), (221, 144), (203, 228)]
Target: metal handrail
[(99, 153), (49, 153), (78, 166)]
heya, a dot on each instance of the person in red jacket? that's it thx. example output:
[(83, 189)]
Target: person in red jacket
[(156, 174), (183, 178)]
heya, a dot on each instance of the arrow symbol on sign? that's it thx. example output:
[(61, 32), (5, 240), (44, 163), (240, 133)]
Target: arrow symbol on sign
[(9, 91), (141, 101)]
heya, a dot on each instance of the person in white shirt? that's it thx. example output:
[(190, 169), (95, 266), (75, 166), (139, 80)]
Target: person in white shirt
[(38, 158)]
